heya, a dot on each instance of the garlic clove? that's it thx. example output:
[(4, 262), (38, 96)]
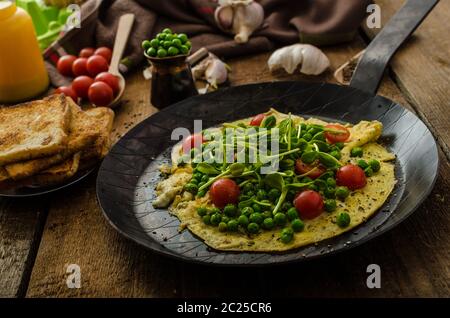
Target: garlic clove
[(224, 17)]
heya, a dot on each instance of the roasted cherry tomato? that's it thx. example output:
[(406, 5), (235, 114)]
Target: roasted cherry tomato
[(351, 176), (193, 141), (109, 79), (96, 64), (256, 121), (334, 137), (86, 52), (68, 91), (105, 52), (65, 63), (79, 67), (100, 94), (309, 204), (302, 168), (81, 85), (223, 192)]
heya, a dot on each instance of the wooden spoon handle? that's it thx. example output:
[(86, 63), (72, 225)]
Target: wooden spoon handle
[(123, 31)]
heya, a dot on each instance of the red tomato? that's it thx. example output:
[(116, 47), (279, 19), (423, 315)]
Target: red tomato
[(64, 64), (334, 137), (100, 94), (309, 204), (193, 141), (105, 52), (68, 91), (302, 168), (96, 64), (351, 176), (81, 85), (223, 192), (86, 52), (79, 67), (109, 79), (256, 121)]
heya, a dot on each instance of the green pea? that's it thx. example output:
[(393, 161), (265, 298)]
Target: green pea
[(166, 44), (190, 187), (292, 214), (256, 218), (205, 178), (225, 218), (169, 37), (223, 227), (336, 154), (375, 165), (313, 187), (154, 43), (342, 192), (214, 211), (188, 44), (362, 164), (268, 223), (297, 225), (216, 219), (309, 157), (274, 194), (307, 136), (161, 36), (197, 176), (182, 37), (243, 220), (280, 218), (266, 214), (330, 205), (230, 210), (269, 122), (339, 145), (331, 182), (329, 193), (173, 51), (368, 171), (167, 30), (184, 49), (256, 207), (151, 52), (202, 211), (286, 206), (201, 184), (250, 194), (206, 219), (248, 187), (201, 194), (253, 228), (247, 211), (261, 194), (146, 44), (356, 152), (176, 42), (343, 219), (194, 181), (287, 235), (233, 225), (161, 53)]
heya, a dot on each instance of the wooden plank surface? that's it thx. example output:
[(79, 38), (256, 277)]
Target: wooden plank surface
[(422, 67), (413, 257), (21, 224)]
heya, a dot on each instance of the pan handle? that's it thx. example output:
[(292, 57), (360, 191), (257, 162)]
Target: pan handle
[(370, 69)]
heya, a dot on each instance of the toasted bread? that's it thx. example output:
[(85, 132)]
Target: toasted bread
[(104, 118), (83, 132), (58, 173), (3, 174), (33, 130)]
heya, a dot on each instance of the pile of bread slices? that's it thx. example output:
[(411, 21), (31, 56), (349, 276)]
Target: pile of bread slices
[(46, 142)]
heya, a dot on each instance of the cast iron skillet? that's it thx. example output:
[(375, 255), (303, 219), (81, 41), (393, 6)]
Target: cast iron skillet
[(128, 175)]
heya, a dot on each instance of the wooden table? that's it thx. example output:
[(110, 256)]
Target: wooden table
[(40, 237)]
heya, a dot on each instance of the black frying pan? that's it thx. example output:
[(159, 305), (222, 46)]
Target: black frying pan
[(128, 175)]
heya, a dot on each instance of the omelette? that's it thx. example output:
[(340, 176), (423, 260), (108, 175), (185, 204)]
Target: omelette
[(340, 186)]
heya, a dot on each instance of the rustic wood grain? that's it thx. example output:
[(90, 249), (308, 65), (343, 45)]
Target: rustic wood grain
[(21, 224), (413, 257), (422, 67)]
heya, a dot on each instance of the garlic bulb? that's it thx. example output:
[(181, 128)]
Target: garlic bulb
[(240, 17), (313, 61), (212, 69)]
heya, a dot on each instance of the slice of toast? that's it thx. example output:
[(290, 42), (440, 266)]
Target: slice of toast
[(33, 130), (58, 173), (83, 132), (104, 118)]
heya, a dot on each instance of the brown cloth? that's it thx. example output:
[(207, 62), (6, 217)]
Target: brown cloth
[(319, 22)]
